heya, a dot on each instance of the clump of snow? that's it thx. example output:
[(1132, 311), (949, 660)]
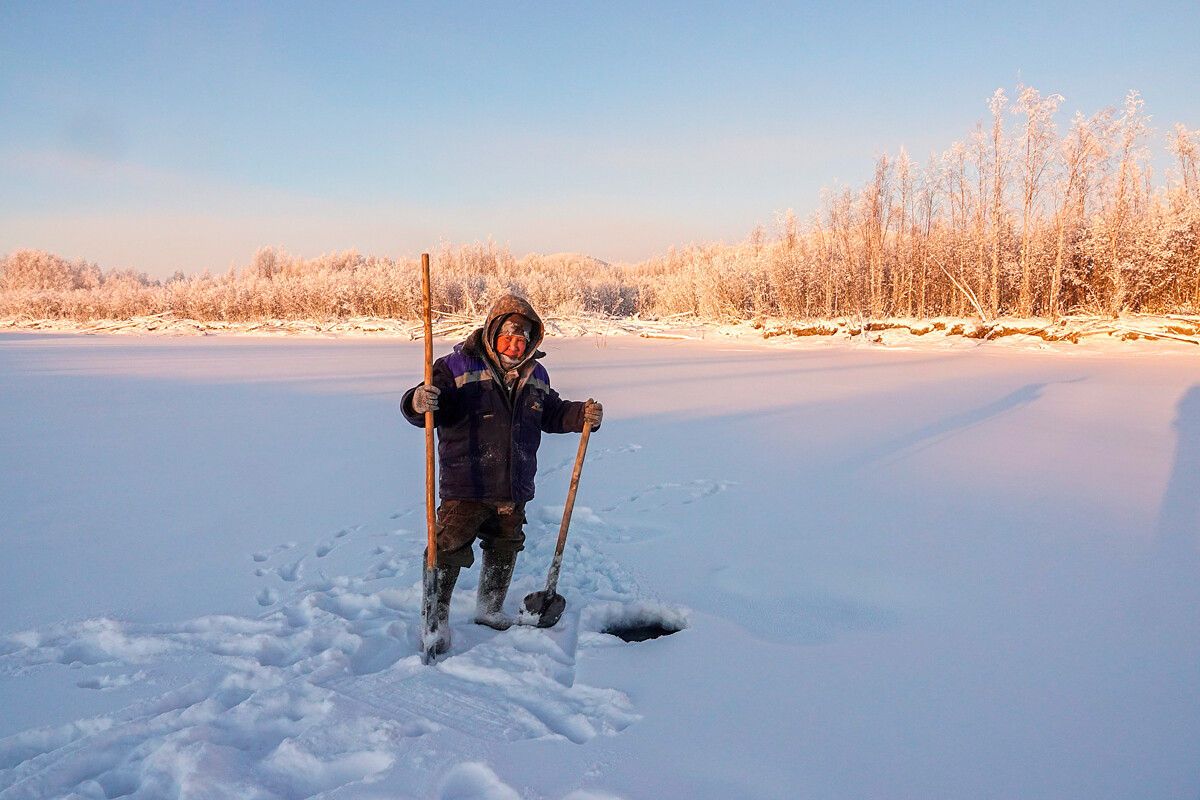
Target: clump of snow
[(301, 773), (475, 781), (579, 514), (94, 641)]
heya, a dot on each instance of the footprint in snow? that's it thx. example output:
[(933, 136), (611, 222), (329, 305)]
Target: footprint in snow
[(389, 567), (286, 572), (328, 677), (106, 682), (661, 495), (594, 455), (266, 555), (291, 572)]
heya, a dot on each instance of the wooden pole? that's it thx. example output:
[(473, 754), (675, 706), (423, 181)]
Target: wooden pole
[(429, 584), (430, 467)]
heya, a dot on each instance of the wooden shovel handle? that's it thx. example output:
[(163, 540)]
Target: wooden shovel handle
[(552, 578)]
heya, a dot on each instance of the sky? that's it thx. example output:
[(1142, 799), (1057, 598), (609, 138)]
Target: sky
[(164, 136)]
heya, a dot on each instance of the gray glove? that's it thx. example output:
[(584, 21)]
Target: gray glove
[(593, 414), (425, 398)]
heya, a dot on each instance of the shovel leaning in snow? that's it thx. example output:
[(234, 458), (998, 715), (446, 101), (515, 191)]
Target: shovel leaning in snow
[(545, 608), (429, 584)]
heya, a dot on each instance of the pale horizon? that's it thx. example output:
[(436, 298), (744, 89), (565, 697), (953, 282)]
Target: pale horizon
[(163, 138)]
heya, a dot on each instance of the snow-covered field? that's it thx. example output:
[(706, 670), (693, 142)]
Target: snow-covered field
[(939, 572)]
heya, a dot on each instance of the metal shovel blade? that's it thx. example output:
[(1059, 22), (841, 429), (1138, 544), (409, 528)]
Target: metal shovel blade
[(542, 609)]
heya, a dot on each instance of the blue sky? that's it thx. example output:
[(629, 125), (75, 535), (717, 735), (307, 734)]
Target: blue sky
[(164, 136)]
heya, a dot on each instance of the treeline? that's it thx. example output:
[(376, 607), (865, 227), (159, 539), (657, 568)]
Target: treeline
[(1018, 219), (277, 285)]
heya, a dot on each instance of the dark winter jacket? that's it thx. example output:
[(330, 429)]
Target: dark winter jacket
[(488, 435)]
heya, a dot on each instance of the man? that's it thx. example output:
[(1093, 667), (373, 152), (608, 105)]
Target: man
[(491, 401)]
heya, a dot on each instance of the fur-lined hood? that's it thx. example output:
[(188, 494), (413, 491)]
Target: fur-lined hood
[(482, 341)]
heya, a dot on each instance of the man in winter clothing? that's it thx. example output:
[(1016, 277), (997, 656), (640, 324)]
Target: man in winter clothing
[(491, 401)]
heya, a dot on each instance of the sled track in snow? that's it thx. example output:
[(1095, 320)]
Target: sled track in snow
[(418, 698)]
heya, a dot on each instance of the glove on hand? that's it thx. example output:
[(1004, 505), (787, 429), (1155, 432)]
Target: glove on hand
[(425, 398), (593, 414)]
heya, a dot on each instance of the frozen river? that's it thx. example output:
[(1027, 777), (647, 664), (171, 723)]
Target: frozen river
[(928, 573)]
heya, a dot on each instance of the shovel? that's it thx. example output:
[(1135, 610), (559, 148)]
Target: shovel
[(545, 608)]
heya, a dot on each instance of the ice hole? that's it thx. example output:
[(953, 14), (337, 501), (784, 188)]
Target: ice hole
[(641, 631), (636, 622)]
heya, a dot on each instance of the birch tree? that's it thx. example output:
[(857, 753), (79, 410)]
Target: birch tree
[(1000, 156), (1038, 136)]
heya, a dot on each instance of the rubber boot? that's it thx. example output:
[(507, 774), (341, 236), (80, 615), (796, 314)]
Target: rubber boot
[(447, 577), (493, 587)]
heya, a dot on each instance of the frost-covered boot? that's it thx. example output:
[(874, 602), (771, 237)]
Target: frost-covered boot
[(493, 587), (446, 578)]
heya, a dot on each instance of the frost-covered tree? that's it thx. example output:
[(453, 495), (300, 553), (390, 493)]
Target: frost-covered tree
[(1037, 140)]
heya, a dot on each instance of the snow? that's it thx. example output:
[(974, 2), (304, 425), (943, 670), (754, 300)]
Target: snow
[(898, 570)]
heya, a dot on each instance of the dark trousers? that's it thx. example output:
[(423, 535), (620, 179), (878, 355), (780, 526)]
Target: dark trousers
[(498, 526)]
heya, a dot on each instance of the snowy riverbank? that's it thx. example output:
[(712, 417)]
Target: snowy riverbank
[(1097, 333)]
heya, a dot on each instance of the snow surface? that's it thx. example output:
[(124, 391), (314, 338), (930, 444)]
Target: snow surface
[(928, 572)]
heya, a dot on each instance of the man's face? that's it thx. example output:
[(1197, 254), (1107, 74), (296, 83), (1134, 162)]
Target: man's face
[(511, 346)]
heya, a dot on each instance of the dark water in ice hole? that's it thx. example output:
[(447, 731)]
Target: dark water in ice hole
[(640, 631)]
